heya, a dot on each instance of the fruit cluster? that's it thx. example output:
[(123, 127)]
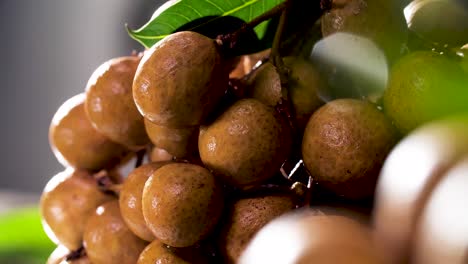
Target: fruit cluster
[(227, 152)]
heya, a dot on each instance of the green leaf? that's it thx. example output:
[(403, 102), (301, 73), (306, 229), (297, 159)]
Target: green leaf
[(175, 14), (22, 239)]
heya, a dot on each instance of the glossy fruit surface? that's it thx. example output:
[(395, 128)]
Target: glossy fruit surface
[(246, 145), (109, 102), (345, 144), (180, 79), (107, 238), (181, 204), (67, 202), (76, 143)]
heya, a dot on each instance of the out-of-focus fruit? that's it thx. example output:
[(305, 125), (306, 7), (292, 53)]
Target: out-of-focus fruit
[(312, 238), (345, 144), (246, 145), (181, 204), (159, 154), (246, 217), (442, 229), (67, 202), (109, 102), (439, 21), (107, 238), (423, 87), (410, 173), (76, 143), (381, 21), (180, 80)]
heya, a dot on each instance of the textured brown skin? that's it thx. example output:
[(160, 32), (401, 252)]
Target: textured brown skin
[(180, 79), (246, 145), (379, 20), (247, 216), (130, 199), (68, 200), (180, 142), (109, 102), (159, 154), (108, 240), (76, 143), (181, 204), (304, 84), (345, 144), (157, 252)]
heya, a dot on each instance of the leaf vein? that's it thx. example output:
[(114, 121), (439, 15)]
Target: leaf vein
[(193, 9), (215, 5)]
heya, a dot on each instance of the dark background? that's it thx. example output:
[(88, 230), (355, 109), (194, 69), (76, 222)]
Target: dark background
[(49, 48)]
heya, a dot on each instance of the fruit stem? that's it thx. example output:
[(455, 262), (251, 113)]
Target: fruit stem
[(285, 104), (229, 41)]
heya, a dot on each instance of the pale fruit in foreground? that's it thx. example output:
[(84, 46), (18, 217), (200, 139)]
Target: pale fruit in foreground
[(307, 237), (181, 204), (408, 176), (109, 102), (76, 143), (366, 18), (67, 202), (107, 238), (445, 218), (246, 145), (180, 79), (345, 144)]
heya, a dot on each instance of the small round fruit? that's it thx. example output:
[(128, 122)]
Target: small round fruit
[(76, 143), (424, 86), (108, 240), (304, 84), (67, 202), (310, 238), (345, 144), (409, 175), (180, 142), (246, 145), (365, 18), (157, 252), (130, 199), (439, 21), (181, 204), (109, 102), (246, 217), (180, 80)]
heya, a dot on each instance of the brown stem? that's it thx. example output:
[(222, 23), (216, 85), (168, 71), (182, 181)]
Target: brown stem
[(229, 41)]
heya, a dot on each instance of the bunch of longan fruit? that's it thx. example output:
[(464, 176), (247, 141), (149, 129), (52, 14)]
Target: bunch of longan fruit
[(222, 158)]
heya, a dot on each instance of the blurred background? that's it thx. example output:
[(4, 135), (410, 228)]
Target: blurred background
[(50, 48)]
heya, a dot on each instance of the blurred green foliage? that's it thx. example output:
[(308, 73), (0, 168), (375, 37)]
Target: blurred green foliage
[(22, 239)]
